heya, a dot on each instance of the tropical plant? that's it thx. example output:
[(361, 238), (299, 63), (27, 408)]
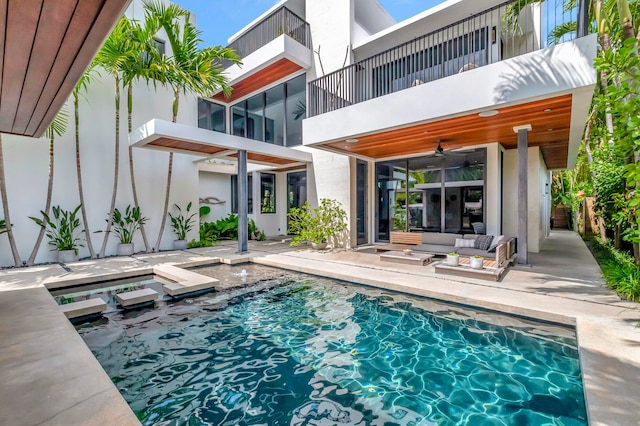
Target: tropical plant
[(61, 228), (142, 64), (116, 51), (78, 91), (125, 224), (56, 128), (182, 223), (3, 227), (187, 69), (318, 225)]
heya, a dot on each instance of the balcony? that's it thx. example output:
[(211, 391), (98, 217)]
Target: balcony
[(275, 48), (281, 21), (504, 31)]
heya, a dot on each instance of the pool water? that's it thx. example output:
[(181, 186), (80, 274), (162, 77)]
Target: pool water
[(290, 349)]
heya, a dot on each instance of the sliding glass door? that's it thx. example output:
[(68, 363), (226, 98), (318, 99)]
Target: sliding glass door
[(432, 193)]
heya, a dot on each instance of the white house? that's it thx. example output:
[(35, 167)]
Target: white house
[(413, 125)]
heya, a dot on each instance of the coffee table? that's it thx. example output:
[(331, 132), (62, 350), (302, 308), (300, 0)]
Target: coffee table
[(415, 258)]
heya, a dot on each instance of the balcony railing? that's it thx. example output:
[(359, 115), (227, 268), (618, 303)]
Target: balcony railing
[(281, 21), (507, 30)]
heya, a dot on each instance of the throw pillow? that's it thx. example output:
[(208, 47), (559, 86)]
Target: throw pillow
[(483, 242), (495, 243), (464, 243)]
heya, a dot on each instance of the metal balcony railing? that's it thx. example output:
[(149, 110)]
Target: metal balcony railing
[(281, 21), (507, 30)]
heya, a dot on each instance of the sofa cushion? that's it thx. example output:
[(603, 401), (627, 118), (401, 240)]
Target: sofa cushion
[(434, 248), (470, 236), (470, 251), (483, 242), (496, 241), (464, 243), (441, 239)]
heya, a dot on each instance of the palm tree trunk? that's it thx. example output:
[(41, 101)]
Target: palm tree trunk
[(131, 168), (36, 247), (5, 208), (176, 102), (115, 174), (83, 210)]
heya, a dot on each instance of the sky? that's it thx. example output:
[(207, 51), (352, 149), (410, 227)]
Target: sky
[(220, 19)]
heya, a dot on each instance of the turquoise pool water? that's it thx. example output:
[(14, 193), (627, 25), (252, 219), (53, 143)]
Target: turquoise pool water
[(289, 349)]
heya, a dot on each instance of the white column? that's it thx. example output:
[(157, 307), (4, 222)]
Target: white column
[(523, 207)]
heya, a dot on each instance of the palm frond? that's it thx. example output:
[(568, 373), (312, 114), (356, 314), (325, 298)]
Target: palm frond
[(59, 124), (557, 33)]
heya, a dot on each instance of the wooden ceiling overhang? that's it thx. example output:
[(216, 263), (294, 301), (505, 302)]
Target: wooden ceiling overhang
[(262, 78), (172, 137), (45, 47), (550, 120)]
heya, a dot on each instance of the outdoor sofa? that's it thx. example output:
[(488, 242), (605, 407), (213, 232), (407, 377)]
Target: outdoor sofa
[(442, 244)]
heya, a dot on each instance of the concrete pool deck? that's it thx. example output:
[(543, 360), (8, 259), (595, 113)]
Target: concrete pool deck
[(48, 375)]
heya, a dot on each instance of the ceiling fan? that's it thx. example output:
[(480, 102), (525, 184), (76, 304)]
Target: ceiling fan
[(441, 152)]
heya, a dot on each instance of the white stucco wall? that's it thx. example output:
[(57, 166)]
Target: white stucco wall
[(26, 168), (215, 185)]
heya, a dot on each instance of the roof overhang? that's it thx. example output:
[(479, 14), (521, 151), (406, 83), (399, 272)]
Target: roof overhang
[(550, 89), (167, 136), (45, 47)]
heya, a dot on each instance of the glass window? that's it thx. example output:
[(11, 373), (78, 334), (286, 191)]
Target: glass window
[(211, 116), (234, 193), (238, 119), (296, 109), (267, 193), (274, 116), (255, 117)]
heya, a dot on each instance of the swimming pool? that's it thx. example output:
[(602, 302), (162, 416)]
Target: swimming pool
[(294, 349)]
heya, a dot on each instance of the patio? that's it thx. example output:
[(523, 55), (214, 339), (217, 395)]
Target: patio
[(45, 364)]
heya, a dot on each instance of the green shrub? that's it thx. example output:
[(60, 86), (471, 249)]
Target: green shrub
[(61, 228), (620, 272), (318, 225)]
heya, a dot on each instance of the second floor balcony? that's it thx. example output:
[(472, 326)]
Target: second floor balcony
[(506, 30), (281, 22)]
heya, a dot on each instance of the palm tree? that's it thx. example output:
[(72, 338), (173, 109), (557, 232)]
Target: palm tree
[(188, 69), (139, 66), (116, 51), (80, 88), (5, 208), (56, 128)]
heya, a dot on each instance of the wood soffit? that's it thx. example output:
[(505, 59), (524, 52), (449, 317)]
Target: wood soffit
[(272, 73), (196, 148), (550, 120), (46, 46)]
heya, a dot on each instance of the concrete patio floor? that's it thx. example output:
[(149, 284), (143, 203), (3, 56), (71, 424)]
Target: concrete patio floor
[(49, 376)]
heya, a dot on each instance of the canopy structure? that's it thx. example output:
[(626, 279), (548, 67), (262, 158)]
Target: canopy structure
[(167, 136), (45, 46)]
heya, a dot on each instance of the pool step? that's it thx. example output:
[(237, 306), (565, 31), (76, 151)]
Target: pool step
[(84, 308), (185, 281), (136, 297)]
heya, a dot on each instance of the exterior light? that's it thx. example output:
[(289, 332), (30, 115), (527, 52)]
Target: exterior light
[(547, 110), (353, 140), (489, 113)]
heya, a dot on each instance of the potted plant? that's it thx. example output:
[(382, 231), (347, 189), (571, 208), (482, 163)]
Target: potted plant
[(453, 259), (125, 226), (182, 224), (61, 230), (476, 261), (317, 226)]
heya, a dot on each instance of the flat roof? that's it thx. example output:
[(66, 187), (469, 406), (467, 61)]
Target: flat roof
[(173, 137)]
